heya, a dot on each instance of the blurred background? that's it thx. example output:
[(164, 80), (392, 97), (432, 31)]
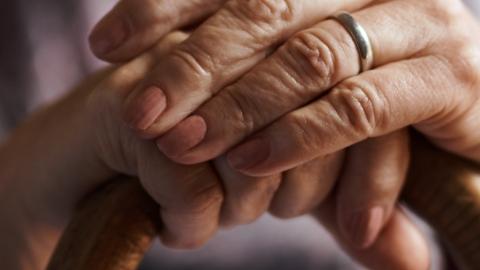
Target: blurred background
[(44, 52)]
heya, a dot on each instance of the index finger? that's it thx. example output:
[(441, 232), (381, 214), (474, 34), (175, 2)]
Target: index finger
[(134, 26), (226, 46)]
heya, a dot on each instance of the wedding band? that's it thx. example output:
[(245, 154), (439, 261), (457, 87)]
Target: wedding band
[(360, 38)]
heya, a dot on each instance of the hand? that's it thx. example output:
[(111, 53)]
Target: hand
[(195, 200), (368, 105), (165, 181), (426, 43), (310, 63), (191, 212), (425, 76), (297, 194)]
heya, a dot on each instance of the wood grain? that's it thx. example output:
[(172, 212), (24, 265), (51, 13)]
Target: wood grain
[(114, 227), (445, 191)]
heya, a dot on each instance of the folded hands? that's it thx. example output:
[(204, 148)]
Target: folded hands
[(263, 105)]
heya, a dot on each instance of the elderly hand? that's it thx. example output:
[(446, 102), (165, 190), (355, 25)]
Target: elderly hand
[(196, 200), (425, 74), (191, 198), (417, 80), (79, 142), (361, 214)]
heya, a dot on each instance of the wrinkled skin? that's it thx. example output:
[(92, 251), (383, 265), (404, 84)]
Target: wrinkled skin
[(229, 92), (195, 192), (71, 147)]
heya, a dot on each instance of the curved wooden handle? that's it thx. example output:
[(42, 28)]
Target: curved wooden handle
[(114, 227), (444, 190)]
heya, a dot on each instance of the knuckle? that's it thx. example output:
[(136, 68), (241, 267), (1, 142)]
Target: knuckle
[(311, 59), (149, 13), (304, 131), (359, 107), (202, 200), (195, 59), (242, 111), (263, 11), (246, 205), (468, 64), (199, 194), (166, 45), (463, 63), (264, 21)]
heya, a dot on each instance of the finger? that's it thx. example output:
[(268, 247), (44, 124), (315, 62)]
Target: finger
[(306, 186), (373, 176), (246, 198), (133, 26), (190, 198), (223, 48), (126, 76), (400, 245), (309, 64), (372, 104)]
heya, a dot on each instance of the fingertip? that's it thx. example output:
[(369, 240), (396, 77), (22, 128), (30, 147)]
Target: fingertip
[(142, 110), (107, 36), (400, 245), (186, 135), (362, 228)]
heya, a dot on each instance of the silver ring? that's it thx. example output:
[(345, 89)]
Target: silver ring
[(360, 38)]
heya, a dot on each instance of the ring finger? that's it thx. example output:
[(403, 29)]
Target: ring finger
[(227, 45), (307, 66)]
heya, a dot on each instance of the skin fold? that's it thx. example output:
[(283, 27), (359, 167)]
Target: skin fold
[(260, 108), (76, 144), (273, 87)]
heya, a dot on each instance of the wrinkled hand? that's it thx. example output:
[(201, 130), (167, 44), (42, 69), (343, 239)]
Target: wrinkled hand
[(191, 197), (424, 75), (298, 194), (196, 200)]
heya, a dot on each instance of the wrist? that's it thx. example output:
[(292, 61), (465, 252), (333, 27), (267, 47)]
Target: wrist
[(46, 166)]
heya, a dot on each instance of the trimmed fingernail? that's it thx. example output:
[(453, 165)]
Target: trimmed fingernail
[(183, 137), (363, 227), (143, 110), (108, 37), (249, 154)]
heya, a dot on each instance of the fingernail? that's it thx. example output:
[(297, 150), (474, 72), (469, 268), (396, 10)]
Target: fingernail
[(183, 137), (364, 227), (143, 110), (108, 37), (249, 154)]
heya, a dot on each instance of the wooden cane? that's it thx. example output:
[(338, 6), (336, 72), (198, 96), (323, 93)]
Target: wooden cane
[(115, 227)]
